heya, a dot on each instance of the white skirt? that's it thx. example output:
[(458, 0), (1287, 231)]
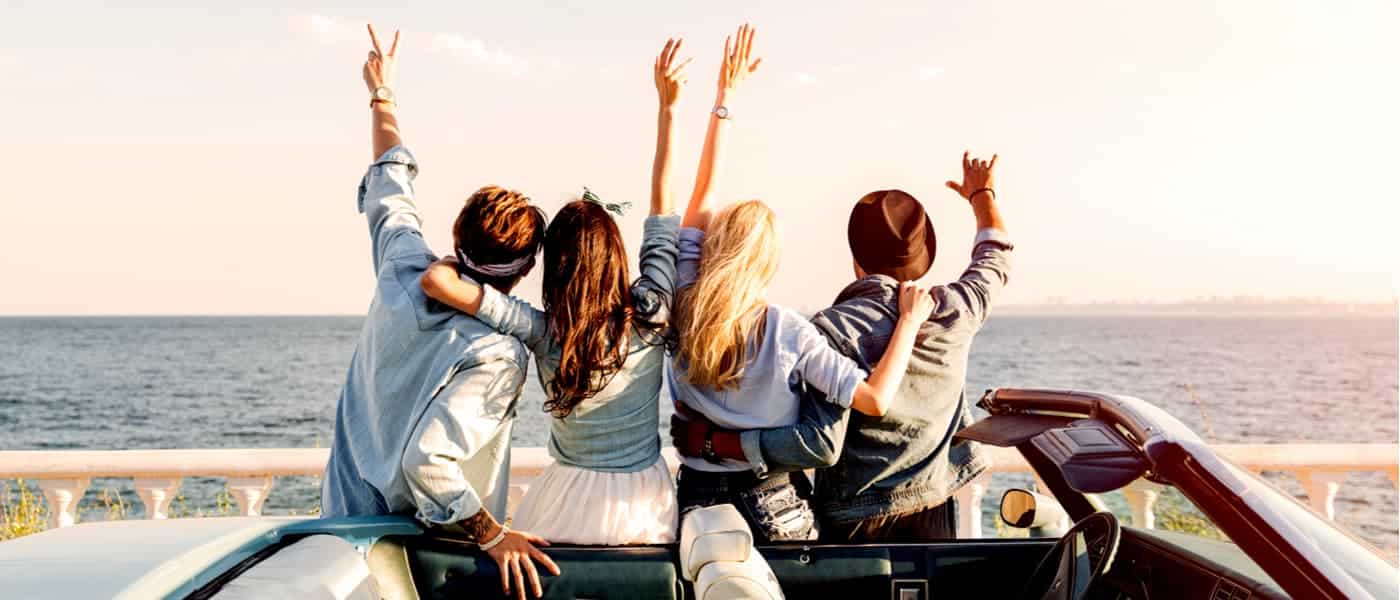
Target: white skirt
[(570, 505)]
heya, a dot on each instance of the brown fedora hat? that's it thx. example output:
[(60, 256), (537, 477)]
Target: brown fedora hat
[(890, 234)]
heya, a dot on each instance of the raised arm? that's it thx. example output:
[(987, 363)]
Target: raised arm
[(735, 66), (386, 190), (987, 274), (379, 77), (670, 79)]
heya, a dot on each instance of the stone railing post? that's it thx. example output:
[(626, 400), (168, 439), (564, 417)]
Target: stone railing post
[(1142, 498), (970, 508), (62, 496), (156, 493), (249, 493), (1322, 487)]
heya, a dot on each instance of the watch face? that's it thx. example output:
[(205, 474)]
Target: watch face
[(722, 112), (383, 93)]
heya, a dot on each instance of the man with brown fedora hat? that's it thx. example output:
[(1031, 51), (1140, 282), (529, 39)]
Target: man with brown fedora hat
[(888, 479)]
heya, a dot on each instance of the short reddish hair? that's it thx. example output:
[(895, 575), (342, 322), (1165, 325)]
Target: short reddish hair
[(497, 225)]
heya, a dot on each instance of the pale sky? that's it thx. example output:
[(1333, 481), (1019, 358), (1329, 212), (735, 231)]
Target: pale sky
[(203, 159)]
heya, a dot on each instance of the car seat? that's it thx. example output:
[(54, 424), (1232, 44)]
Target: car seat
[(718, 557)]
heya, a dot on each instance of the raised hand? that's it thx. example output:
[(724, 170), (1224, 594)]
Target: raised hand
[(977, 178), (670, 75), (737, 63), (380, 66)]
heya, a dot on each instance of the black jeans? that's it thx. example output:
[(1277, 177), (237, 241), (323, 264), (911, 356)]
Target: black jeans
[(777, 508), (935, 523)]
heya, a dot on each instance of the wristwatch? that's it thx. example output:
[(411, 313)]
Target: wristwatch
[(708, 450), (382, 94), (722, 111)]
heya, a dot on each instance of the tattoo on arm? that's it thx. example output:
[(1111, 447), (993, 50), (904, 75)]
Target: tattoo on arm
[(476, 526)]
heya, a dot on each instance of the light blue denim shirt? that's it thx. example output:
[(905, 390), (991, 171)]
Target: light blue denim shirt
[(616, 429), (424, 419), (791, 352)]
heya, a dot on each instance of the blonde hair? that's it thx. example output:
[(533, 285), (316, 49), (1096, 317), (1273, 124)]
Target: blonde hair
[(723, 312)]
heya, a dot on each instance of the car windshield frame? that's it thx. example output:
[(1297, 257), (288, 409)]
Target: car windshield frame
[(1252, 513), (1366, 565)]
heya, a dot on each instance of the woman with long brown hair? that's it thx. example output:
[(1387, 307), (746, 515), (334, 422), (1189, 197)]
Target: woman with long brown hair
[(599, 346), (741, 360)]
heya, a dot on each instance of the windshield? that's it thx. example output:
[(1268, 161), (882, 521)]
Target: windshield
[(1178, 522), (1351, 554)]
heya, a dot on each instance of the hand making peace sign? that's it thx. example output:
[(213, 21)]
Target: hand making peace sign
[(380, 66)]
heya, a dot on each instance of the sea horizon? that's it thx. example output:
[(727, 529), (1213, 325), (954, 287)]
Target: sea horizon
[(107, 382)]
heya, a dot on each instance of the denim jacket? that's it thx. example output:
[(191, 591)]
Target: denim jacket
[(424, 419), (615, 430), (906, 461)]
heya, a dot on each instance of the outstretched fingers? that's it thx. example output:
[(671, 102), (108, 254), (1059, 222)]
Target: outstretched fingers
[(967, 164), (504, 567), (518, 564), (374, 39), (677, 70), (543, 558), (748, 43), (394, 47), (675, 49), (664, 59), (534, 577)]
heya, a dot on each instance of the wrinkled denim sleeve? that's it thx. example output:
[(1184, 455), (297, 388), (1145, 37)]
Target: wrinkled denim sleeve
[(825, 368), (459, 421), (655, 289), (688, 260), (813, 442), (386, 199), (984, 278), (514, 317)]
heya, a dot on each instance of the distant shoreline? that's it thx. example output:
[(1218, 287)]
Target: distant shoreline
[(1242, 309), (1105, 309)]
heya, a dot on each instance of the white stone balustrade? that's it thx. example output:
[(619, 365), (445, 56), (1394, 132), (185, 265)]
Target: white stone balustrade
[(63, 476)]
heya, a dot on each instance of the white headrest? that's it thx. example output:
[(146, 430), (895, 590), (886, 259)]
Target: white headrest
[(752, 579), (713, 533)]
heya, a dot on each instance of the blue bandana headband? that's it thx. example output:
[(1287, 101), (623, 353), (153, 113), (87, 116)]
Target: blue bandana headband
[(509, 269)]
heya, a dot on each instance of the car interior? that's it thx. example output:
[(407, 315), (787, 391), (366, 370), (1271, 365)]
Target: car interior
[(1096, 558), (1147, 565)]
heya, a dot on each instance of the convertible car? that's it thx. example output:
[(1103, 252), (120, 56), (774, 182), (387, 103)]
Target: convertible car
[(1082, 446)]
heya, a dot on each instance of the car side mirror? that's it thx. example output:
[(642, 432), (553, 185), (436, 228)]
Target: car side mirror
[(1025, 509)]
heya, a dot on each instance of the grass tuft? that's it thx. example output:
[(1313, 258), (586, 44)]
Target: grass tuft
[(22, 512)]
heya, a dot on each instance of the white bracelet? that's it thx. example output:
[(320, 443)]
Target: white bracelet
[(495, 541)]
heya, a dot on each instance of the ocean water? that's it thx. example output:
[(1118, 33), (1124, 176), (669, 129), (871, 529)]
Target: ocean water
[(269, 382)]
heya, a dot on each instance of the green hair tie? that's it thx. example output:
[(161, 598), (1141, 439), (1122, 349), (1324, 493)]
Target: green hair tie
[(615, 209)]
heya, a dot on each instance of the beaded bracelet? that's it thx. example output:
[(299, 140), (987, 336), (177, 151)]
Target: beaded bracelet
[(495, 541)]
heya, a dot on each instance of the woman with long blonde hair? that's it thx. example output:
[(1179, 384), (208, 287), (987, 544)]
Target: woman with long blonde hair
[(741, 361)]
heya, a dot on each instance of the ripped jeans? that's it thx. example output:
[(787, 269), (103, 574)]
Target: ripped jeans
[(777, 508)]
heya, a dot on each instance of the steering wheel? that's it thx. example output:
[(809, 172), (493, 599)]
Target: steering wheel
[(1083, 554)]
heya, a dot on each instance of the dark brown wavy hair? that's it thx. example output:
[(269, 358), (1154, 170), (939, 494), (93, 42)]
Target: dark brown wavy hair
[(589, 301), (497, 225)]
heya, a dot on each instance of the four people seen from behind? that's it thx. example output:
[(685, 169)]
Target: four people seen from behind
[(868, 391)]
